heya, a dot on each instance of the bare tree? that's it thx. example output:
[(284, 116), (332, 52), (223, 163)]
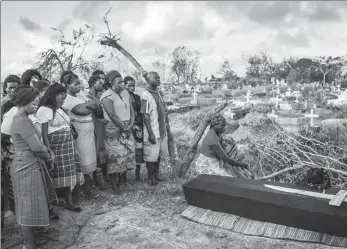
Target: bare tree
[(68, 54), (161, 66)]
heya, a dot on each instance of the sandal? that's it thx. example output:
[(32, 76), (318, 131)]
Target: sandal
[(54, 217), (73, 208)]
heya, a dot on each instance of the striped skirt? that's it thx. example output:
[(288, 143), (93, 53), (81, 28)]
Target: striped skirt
[(68, 171), (33, 189), (120, 150), (85, 145)]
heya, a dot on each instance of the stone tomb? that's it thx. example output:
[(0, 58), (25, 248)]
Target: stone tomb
[(251, 199)]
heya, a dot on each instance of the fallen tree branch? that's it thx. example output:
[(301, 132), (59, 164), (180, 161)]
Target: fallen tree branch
[(183, 168), (283, 171)]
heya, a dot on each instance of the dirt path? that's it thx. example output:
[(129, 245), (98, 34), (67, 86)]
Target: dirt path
[(142, 218)]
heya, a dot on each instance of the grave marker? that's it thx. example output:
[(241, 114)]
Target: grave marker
[(194, 101), (272, 115), (277, 102), (229, 114), (312, 116)]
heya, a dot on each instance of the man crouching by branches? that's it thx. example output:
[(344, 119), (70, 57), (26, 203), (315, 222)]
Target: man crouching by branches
[(153, 110)]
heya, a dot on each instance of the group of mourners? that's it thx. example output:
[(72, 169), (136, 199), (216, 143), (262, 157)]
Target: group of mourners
[(58, 141)]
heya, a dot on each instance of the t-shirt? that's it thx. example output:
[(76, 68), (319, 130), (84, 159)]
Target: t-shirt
[(70, 103), (121, 104), (61, 119), (6, 125), (210, 139), (152, 104)]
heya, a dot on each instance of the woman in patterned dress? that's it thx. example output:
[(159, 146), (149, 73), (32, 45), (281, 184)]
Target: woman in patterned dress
[(33, 189), (216, 155), (57, 136), (119, 142), (80, 111)]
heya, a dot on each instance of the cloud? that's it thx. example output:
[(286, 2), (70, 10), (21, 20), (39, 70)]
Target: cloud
[(90, 10), (323, 11), (299, 39), (269, 12), (29, 25)]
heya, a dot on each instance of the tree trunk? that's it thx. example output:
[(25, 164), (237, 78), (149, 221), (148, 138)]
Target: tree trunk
[(113, 43), (199, 132), (171, 144)]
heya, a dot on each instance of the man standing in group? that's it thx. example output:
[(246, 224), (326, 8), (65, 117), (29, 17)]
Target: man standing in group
[(153, 110)]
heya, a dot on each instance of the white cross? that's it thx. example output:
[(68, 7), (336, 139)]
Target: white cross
[(277, 101), (229, 114), (272, 114), (194, 95), (248, 97), (338, 87), (311, 116)]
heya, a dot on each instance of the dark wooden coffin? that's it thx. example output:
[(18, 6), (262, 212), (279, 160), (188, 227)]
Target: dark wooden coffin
[(251, 199)]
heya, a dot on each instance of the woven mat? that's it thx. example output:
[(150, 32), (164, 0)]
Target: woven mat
[(263, 229)]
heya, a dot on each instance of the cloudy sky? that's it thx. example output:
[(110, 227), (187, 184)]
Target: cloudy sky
[(151, 30)]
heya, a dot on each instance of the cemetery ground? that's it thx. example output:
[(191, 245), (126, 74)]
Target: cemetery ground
[(150, 217)]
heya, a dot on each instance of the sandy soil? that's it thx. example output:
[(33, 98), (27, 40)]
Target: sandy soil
[(142, 218)]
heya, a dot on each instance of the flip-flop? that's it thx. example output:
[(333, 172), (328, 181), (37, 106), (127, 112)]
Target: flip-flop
[(75, 209), (54, 218)]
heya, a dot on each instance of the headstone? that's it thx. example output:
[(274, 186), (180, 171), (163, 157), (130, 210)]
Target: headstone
[(278, 91), (278, 82), (272, 115), (338, 88), (277, 102), (225, 87), (312, 116), (229, 114), (194, 101), (289, 92), (285, 106), (248, 97)]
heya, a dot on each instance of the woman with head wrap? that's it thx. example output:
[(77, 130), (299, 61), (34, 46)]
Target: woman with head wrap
[(80, 112), (214, 159), (33, 189), (119, 142)]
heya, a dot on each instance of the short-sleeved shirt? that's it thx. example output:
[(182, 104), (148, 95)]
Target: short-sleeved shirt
[(210, 139), (6, 125), (121, 104), (152, 104), (70, 103), (22, 128), (60, 121)]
